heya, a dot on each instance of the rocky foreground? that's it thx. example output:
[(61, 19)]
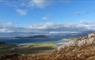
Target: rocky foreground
[(81, 49)]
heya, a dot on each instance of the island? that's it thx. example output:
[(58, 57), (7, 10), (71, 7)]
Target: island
[(34, 36)]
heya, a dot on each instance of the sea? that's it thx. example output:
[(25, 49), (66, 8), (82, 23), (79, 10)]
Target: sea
[(57, 39)]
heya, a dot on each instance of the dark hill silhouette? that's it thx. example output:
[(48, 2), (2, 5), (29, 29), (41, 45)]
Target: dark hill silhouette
[(35, 36)]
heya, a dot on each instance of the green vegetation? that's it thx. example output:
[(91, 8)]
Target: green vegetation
[(34, 48), (5, 49), (71, 38), (44, 44)]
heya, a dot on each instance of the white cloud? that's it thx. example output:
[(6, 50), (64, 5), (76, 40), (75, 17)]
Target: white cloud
[(64, 27), (21, 12), (39, 26), (19, 5), (6, 30), (12, 27), (40, 3), (46, 19), (22, 5), (50, 27), (7, 27), (87, 25), (61, 32), (27, 3)]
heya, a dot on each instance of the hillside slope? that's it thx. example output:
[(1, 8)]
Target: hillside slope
[(81, 49)]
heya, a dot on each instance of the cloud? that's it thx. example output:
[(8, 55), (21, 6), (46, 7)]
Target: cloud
[(21, 5), (63, 27), (40, 3), (12, 27), (7, 27), (26, 3), (47, 28), (11, 30), (46, 19), (21, 12), (45, 3)]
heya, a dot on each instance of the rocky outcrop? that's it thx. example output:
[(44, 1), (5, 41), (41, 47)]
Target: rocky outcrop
[(82, 41)]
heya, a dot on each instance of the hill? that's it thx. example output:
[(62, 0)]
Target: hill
[(81, 49)]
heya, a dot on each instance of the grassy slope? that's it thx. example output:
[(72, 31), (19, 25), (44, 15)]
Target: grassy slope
[(28, 49), (67, 53), (86, 52)]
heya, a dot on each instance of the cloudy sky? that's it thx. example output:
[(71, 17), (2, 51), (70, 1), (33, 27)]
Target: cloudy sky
[(24, 13)]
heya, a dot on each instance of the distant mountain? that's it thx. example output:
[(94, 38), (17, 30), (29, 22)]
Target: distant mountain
[(34, 36)]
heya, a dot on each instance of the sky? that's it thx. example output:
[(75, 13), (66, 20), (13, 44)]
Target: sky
[(46, 15), (24, 13)]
